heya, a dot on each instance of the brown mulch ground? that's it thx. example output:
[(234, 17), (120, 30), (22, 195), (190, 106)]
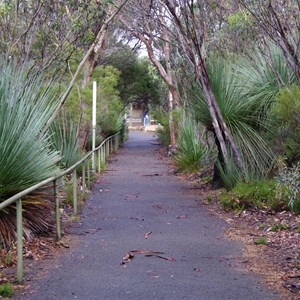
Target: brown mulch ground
[(278, 260), (35, 251)]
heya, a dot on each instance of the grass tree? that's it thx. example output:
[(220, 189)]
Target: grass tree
[(245, 91), (25, 155)]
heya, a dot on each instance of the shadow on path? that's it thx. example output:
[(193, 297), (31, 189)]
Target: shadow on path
[(138, 205)]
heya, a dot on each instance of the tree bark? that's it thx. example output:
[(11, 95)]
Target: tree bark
[(193, 48), (171, 120)]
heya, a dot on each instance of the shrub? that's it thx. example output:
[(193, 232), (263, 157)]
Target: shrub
[(162, 117), (164, 132), (252, 194), (288, 186), (164, 135), (286, 119), (191, 148), (6, 290), (261, 241)]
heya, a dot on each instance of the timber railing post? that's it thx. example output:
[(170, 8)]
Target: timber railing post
[(83, 177), (57, 212), (75, 191), (103, 155), (88, 175), (116, 143), (20, 270), (99, 161)]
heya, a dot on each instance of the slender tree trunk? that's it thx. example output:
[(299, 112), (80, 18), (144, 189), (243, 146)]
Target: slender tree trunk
[(171, 119), (221, 130), (166, 74), (173, 101)]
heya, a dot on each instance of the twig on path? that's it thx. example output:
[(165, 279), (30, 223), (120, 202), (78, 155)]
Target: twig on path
[(146, 235)]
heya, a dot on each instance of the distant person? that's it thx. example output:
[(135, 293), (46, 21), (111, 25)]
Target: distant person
[(146, 117)]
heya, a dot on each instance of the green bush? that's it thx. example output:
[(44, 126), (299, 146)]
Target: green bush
[(261, 241), (288, 186), (164, 135), (6, 290), (286, 124), (260, 193)]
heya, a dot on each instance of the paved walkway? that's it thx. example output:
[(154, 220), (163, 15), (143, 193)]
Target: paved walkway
[(138, 205)]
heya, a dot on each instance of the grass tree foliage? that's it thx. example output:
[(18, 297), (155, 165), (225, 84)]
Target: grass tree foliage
[(63, 136), (191, 147), (242, 113), (25, 106), (245, 90), (26, 157)]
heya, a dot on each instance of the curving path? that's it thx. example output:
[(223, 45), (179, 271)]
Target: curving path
[(138, 205)]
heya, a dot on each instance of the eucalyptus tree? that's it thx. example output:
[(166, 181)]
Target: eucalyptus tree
[(190, 21), (147, 22), (280, 21), (45, 33), (139, 81)]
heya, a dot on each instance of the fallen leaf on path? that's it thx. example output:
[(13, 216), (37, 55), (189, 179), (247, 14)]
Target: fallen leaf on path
[(132, 196), (156, 174), (157, 206), (132, 218), (146, 252), (161, 257), (129, 256), (153, 274), (181, 217), (147, 234), (295, 276)]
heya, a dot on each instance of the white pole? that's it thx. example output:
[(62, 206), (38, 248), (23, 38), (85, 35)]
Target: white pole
[(94, 124)]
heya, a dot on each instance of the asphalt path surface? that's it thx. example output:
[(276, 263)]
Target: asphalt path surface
[(139, 205)]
